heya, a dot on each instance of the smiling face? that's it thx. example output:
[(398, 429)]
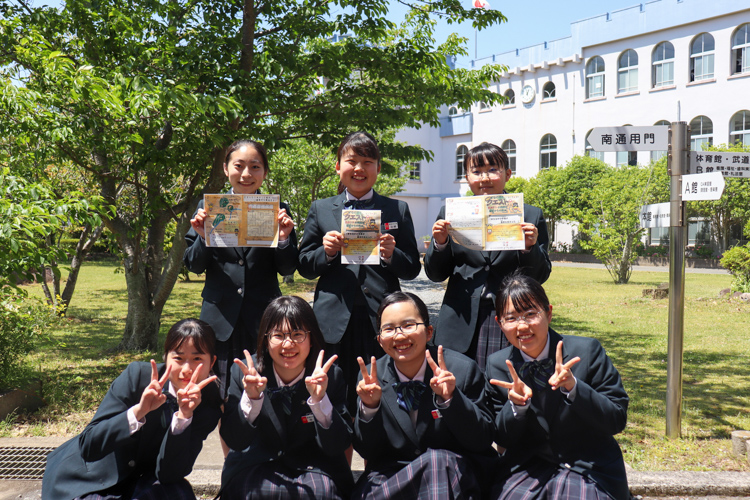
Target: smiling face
[(529, 338), (288, 357), (246, 170), (487, 179), (406, 349), (357, 173), (184, 360)]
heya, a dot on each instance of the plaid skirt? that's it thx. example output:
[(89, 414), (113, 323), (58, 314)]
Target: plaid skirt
[(272, 480), (488, 338), (435, 474), (147, 488), (546, 481)]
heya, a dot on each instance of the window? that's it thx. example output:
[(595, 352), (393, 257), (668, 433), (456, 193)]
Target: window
[(739, 128), (461, 153), (483, 106), (510, 97), (702, 58), (595, 77), (699, 232), (548, 152), (701, 133), (415, 170), (741, 49), (662, 74), (627, 158), (452, 111), (548, 91), (599, 155), (509, 146), (659, 236), (627, 72), (656, 155)]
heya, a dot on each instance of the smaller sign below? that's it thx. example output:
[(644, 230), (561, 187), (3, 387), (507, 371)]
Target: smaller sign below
[(654, 138), (655, 215), (702, 186), (729, 164)]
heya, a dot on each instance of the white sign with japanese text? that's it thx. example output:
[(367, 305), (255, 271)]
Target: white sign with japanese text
[(655, 215), (708, 186), (654, 138), (729, 164)]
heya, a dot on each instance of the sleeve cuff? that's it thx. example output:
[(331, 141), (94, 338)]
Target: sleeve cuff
[(322, 410), (366, 414), (133, 424), (251, 408)]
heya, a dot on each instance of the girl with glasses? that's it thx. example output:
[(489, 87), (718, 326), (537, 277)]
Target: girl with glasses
[(286, 419)]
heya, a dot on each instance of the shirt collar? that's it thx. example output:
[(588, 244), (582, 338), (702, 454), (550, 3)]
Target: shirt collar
[(419, 377), (368, 196), (280, 383)]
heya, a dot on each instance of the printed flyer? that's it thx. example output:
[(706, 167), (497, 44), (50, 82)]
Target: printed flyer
[(242, 220), (361, 242), (489, 222)]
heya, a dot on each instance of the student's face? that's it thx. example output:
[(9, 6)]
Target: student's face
[(406, 349), (185, 361), (245, 170), (358, 173), (530, 335), (288, 356), (487, 179)]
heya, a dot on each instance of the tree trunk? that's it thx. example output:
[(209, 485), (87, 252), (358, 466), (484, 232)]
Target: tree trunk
[(626, 267), (143, 320)]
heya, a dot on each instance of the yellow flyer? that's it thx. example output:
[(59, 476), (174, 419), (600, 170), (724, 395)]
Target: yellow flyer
[(242, 220), (489, 222), (361, 243)]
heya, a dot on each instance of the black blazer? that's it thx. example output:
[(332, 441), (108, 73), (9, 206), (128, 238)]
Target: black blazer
[(275, 436), (338, 284), (390, 440), (578, 433), (232, 274), (469, 271), (105, 454)]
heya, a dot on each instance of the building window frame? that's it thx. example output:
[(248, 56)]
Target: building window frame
[(702, 57), (548, 91), (595, 78), (739, 128), (509, 146), (701, 133), (662, 63), (657, 155), (590, 152), (510, 98), (627, 72), (461, 153), (741, 50), (415, 171), (547, 152)]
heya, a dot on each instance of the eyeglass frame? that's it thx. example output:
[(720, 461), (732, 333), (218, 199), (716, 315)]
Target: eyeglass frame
[(401, 329), (523, 318), (287, 335), (487, 173)]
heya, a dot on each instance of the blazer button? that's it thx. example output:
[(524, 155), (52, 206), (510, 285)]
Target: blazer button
[(280, 453), (241, 262), (310, 467), (486, 268), (366, 290), (131, 463), (239, 291)]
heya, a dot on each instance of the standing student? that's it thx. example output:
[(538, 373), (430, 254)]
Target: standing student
[(286, 418), (148, 430), (422, 424), (467, 317), (347, 296), (240, 281), (558, 401)]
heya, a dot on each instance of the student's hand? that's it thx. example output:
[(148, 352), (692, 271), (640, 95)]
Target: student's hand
[(387, 246), (563, 377), (189, 397), (368, 389), (332, 243), (286, 224), (197, 223), (530, 233), (152, 397), (518, 392), (440, 231), (442, 382), (253, 383), (317, 383)]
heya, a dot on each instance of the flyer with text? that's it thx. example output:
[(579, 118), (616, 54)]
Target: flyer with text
[(361, 242), (242, 220), (488, 222)]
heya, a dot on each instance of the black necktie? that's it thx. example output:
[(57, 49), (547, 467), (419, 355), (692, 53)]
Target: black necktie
[(537, 372), (285, 393), (408, 394)]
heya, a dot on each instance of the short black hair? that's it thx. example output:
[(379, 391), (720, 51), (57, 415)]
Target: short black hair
[(248, 142), (200, 332), (523, 292), (486, 154), (399, 296)]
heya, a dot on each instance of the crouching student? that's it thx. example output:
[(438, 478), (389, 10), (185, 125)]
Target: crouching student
[(286, 419), (422, 424), (148, 430), (558, 402)]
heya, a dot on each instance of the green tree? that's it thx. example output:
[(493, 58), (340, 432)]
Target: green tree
[(144, 95)]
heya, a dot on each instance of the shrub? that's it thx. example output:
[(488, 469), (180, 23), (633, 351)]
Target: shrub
[(737, 261)]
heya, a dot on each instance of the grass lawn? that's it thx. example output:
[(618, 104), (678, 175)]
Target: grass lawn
[(78, 363)]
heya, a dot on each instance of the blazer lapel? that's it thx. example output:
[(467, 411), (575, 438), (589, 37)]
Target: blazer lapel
[(389, 396)]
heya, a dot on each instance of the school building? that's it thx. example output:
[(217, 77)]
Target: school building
[(651, 64)]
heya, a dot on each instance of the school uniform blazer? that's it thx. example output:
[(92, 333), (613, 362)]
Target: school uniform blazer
[(235, 272), (465, 427), (469, 270), (106, 454), (577, 434), (339, 283), (300, 445)]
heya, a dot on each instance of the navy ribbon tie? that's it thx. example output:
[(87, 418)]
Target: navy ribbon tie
[(359, 204), (285, 393), (170, 407), (538, 372), (408, 394)]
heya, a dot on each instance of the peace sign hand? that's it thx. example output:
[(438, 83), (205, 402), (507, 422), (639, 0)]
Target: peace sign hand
[(518, 392), (317, 383), (152, 397), (442, 382), (253, 383), (563, 377), (189, 397), (368, 389)]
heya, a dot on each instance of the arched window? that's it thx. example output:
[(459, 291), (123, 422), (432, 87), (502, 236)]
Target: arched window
[(483, 106), (627, 72), (741, 49), (627, 157), (662, 74), (739, 128), (701, 133), (702, 58), (461, 153), (452, 111), (510, 97), (548, 91), (656, 155), (548, 152), (595, 77), (510, 149), (599, 155)]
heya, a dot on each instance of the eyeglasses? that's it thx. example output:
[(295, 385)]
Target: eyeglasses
[(278, 338), (390, 331), (529, 317), (492, 172)]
